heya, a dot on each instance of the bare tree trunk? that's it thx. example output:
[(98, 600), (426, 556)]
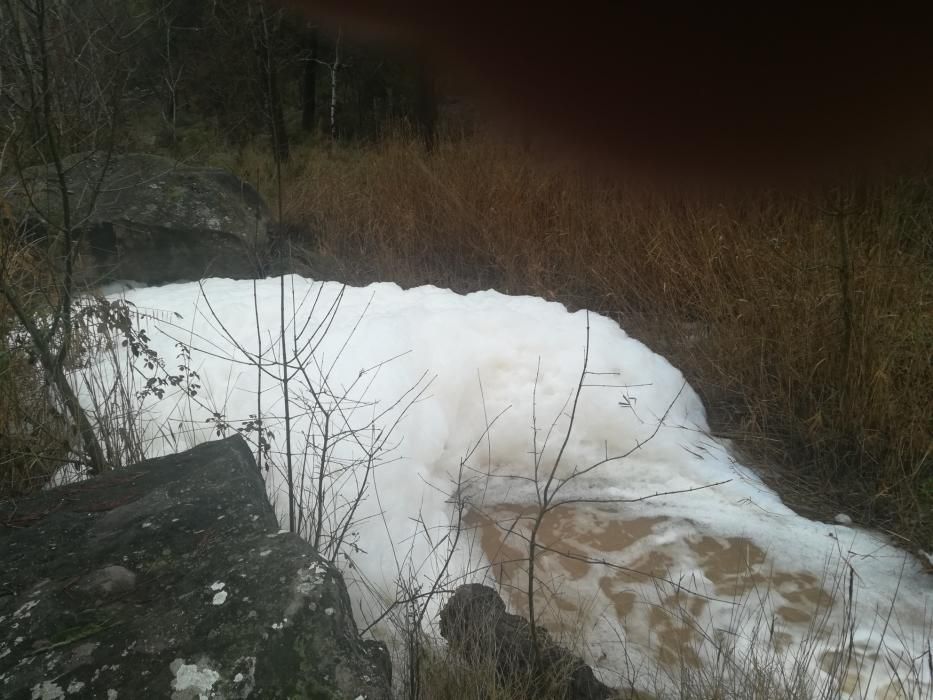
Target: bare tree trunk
[(56, 374), (55, 116), (272, 99), (334, 70), (845, 272), (426, 113), (309, 82), (277, 116), (171, 78), (54, 363)]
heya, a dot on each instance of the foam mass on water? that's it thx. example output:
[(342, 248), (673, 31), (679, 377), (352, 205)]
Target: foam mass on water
[(667, 548)]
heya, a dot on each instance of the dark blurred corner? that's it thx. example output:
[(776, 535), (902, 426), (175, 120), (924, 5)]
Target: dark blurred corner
[(750, 94)]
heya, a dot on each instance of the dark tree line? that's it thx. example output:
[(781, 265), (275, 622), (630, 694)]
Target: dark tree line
[(252, 68), (245, 68)]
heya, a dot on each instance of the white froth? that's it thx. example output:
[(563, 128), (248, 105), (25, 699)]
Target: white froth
[(484, 356)]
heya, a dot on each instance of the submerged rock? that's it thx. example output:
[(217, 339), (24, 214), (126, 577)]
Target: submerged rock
[(170, 579)]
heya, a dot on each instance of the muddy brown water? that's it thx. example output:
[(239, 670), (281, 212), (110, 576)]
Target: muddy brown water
[(594, 562)]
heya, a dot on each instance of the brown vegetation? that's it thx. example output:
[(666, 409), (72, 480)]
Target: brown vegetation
[(804, 323)]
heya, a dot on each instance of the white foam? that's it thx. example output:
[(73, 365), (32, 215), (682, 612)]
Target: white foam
[(474, 358)]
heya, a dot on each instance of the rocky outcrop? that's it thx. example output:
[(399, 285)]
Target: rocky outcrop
[(171, 579), (145, 218), (478, 629)]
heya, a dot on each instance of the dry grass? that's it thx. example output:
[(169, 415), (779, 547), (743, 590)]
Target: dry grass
[(814, 359)]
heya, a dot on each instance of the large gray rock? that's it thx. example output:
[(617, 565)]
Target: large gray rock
[(145, 217), (170, 579)]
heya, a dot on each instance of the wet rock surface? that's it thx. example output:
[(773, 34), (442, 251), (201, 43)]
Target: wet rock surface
[(171, 579), (476, 625), (145, 218)]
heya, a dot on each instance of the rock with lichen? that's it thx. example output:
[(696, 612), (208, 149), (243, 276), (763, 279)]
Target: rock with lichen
[(171, 579)]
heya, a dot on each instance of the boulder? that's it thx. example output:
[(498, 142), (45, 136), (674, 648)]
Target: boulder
[(171, 579), (479, 630), (145, 217)]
